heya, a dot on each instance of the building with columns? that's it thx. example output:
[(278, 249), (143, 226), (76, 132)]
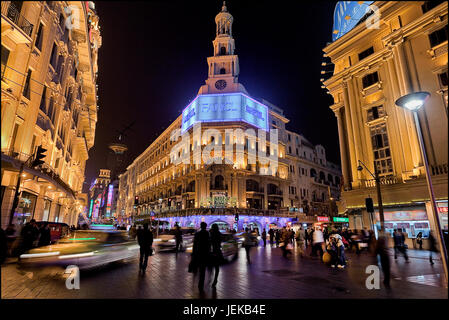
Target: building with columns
[(153, 183), (49, 99), (405, 52)]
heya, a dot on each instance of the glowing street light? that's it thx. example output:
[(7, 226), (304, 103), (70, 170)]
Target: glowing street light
[(413, 102)]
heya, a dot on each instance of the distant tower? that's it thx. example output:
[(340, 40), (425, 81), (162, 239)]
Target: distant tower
[(224, 64), (116, 156)]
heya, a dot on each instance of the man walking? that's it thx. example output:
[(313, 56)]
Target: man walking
[(201, 252), (318, 241), (264, 238), (178, 238), (382, 251), (145, 240), (271, 233), (399, 244)]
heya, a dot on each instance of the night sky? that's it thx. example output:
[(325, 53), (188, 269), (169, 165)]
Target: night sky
[(153, 61)]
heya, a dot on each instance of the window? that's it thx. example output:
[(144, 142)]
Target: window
[(43, 97), (26, 87), (289, 137), (222, 51), (289, 149), (53, 57), (366, 53), (297, 152), (5, 56), (50, 109), (375, 113), (370, 79), (429, 5), (381, 149), (39, 37), (438, 37), (443, 78), (222, 71)]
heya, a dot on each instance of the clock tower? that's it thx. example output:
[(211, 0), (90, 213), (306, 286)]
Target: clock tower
[(224, 64)]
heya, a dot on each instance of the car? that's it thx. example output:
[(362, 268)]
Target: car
[(167, 242), (58, 230), (83, 248), (229, 246)]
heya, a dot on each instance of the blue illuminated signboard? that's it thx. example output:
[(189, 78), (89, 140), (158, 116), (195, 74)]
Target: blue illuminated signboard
[(225, 107), (346, 16)]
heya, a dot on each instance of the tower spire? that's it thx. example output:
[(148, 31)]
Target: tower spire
[(223, 8)]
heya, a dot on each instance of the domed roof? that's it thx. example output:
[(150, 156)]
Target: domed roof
[(224, 14)]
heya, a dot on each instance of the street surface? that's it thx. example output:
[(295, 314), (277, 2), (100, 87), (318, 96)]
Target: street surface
[(268, 276)]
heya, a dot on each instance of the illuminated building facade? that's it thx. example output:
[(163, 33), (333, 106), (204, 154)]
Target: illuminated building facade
[(49, 99), (98, 194), (154, 184), (374, 65)]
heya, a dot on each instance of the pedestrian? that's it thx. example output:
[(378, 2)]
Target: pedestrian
[(217, 255), (29, 234), (399, 244), (278, 237), (419, 240), (340, 248), (178, 237), (45, 235), (300, 238), (325, 234), (264, 237), (248, 242), (331, 249), (318, 242), (382, 252), (201, 253), (132, 232), (432, 246), (271, 233), (145, 240)]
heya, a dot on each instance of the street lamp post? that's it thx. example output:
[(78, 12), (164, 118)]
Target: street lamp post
[(379, 194), (413, 102)]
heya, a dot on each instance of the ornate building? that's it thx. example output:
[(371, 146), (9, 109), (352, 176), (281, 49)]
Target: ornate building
[(398, 49), (155, 183), (49, 99)]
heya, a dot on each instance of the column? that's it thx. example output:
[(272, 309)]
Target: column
[(265, 196), (8, 199), (343, 148), (356, 131), (39, 208), (350, 135)]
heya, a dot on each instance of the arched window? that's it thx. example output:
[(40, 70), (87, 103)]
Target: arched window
[(222, 71), (191, 186), (252, 185), (322, 176), (272, 189), (312, 173), (330, 178), (222, 51)]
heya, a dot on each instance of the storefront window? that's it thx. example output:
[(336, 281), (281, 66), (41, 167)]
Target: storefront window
[(411, 220), (57, 212), (442, 214), (25, 208)]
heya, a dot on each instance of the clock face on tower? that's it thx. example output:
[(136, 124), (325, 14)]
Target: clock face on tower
[(220, 84)]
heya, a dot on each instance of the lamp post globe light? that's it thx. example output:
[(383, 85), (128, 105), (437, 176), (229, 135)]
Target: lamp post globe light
[(413, 102)]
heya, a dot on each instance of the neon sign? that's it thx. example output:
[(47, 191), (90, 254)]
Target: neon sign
[(322, 219), (91, 207), (108, 204), (347, 15), (225, 107)]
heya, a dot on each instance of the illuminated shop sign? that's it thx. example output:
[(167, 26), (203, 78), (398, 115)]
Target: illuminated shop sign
[(91, 207), (225, 107), (339, 219), (108, 204), (322, 219), (347, 15)]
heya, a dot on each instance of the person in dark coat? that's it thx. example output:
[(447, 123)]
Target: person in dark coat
[(271, 233), (217, 255), (201, 252), (382, 251), (399, 244), (264, 238), (45, 235), (433, 246), (29, 234), (145, 240), (178, 237)]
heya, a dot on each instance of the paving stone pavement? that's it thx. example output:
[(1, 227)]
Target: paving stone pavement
[(269, 276)]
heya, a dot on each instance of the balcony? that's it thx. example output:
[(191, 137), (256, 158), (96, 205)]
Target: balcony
[(15, 24), (371, 183)]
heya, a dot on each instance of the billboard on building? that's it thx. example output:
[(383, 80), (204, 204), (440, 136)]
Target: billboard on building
[(225, 107)]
